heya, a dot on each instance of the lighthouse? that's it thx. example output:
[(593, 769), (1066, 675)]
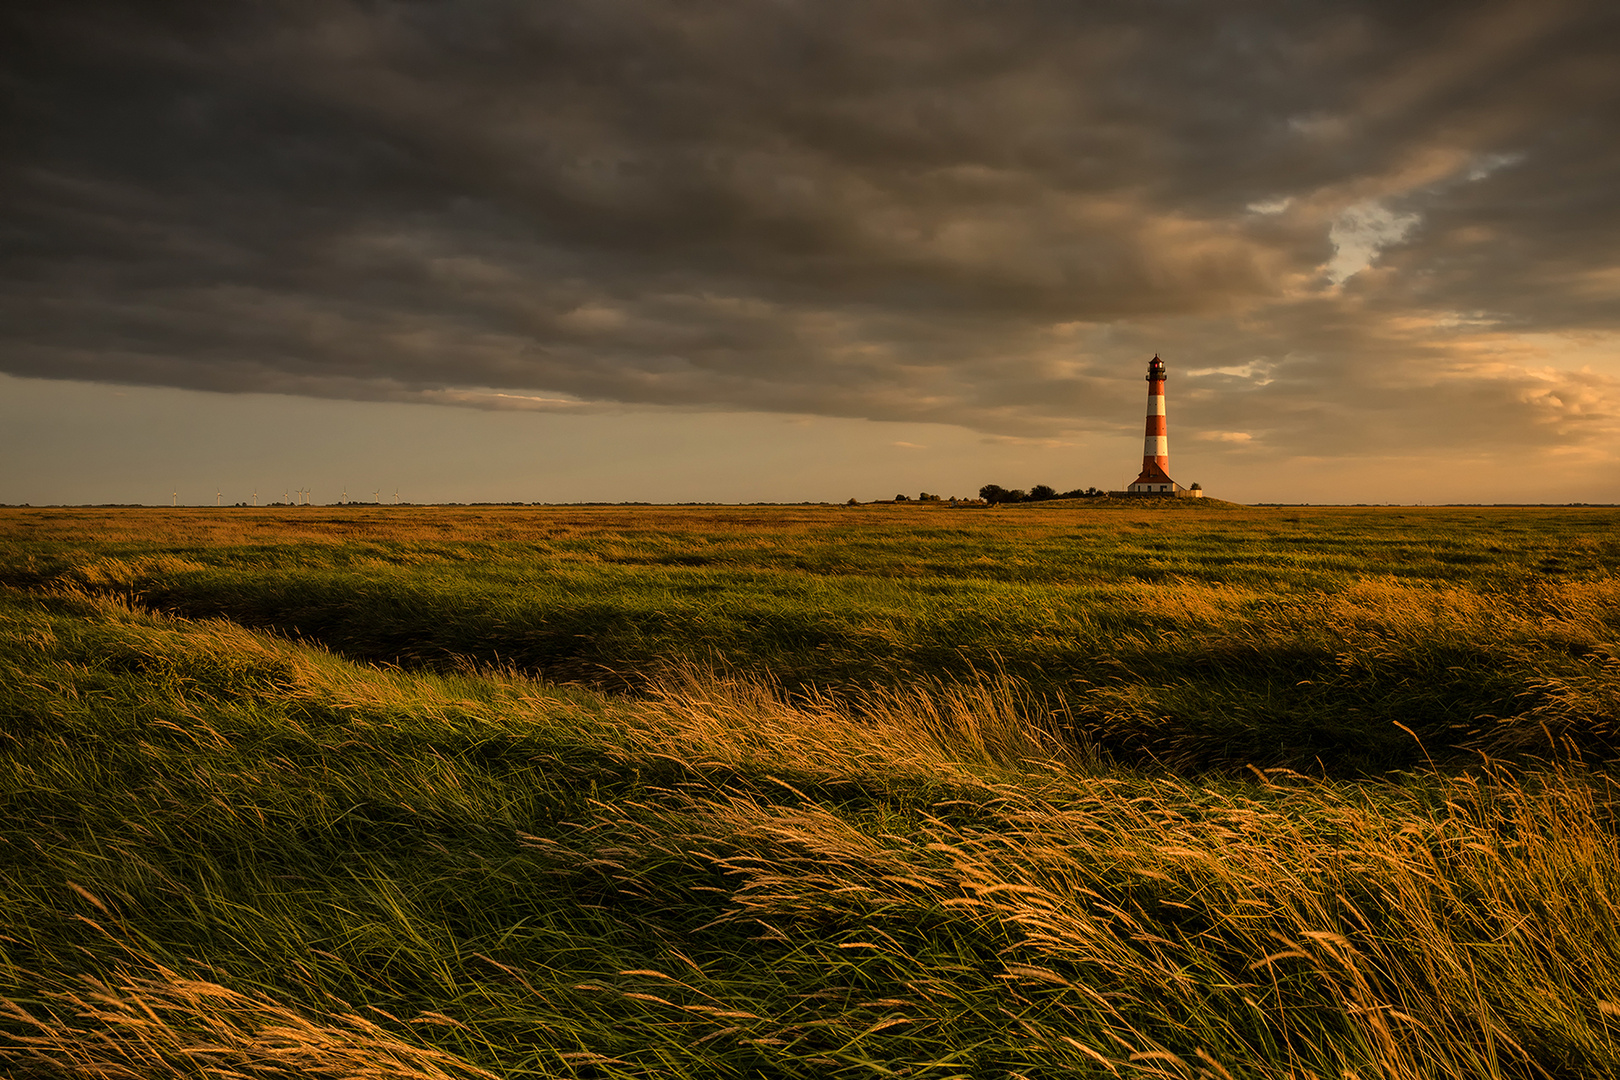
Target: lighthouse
[(1155, 477)]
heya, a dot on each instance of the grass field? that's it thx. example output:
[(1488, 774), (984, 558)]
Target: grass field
[(1067, 789)]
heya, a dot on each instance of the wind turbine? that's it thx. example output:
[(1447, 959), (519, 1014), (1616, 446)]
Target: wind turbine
[(344, 498), (396, 496), (219, 497), (255, 496), (174, 498), (376, 496)]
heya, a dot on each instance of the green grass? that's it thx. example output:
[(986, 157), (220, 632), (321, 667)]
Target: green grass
[(286, 797), (1191, 635)]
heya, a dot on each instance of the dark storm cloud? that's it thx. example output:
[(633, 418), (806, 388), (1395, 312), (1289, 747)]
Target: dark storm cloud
[(979, 213)]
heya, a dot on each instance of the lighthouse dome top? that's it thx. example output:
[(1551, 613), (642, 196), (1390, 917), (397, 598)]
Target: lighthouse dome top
[(1155, 369)]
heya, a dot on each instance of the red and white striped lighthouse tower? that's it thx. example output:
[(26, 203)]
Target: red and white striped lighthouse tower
[(1155, 478)]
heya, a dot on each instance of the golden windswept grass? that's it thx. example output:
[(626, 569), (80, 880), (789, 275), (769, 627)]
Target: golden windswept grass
[(725, 878), (932, 795), (161, 1024)]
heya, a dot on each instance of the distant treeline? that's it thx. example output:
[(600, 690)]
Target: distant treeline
[(995, 493)]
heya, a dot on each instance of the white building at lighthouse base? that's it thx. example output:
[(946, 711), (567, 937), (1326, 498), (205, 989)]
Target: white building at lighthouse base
[(1161, 486), (1153, 480), (1170, 490)]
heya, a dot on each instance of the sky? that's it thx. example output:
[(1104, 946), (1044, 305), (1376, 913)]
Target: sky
[(772, 250)]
